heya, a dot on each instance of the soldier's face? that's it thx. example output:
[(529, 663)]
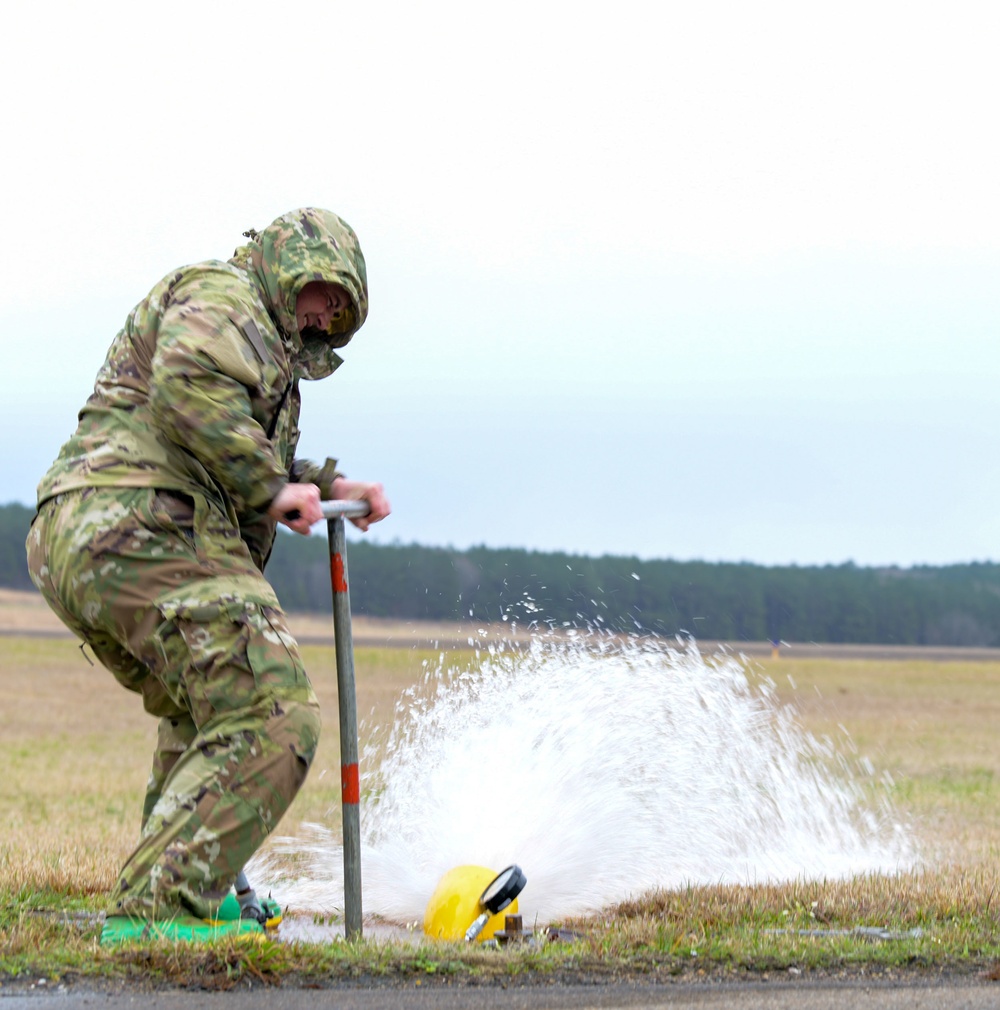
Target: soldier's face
[(319, 304)]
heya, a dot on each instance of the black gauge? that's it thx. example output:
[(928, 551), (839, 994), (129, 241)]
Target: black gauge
[(503, 889)]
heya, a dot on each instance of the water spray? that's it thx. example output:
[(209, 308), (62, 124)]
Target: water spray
[(639, 764)]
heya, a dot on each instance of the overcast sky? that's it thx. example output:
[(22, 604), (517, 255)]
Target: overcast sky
[(689, 280)]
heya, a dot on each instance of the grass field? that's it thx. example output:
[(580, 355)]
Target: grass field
[(74, 750)]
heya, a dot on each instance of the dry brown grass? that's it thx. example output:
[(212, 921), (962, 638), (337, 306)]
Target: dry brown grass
[(75, 752), (27, 612), (917, 716), (74, 749), (930, 725), (74, 746)]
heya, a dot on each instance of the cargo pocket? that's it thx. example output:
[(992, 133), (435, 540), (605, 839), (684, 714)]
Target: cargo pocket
[(273, 651), (203, 647), (174, 513)]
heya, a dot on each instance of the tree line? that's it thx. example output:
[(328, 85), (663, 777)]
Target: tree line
[(924, 605)]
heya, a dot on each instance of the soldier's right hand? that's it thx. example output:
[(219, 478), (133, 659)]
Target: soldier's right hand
[(302, 501)]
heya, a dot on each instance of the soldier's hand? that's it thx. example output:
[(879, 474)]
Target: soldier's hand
[(297, 507), (360, 490)]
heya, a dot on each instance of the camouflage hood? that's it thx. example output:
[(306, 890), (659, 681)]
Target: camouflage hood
[(302, 246)]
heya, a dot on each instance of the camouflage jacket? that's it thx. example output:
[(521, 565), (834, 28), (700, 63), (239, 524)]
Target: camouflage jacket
[(199, 392)]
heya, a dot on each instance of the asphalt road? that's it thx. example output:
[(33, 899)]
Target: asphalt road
[(962, 995)]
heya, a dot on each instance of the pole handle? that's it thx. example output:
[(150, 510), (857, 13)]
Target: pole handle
[(335, 509), (341, 507)]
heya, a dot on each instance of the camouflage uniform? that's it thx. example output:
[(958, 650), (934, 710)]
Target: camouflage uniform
[(152, 535)]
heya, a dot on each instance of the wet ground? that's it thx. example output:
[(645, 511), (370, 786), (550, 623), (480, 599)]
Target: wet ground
[(306, 929)]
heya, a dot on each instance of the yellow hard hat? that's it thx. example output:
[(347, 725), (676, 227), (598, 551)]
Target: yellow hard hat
[(454, 905)]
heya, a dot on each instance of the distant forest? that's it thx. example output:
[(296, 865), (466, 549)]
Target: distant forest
[(949, 605)]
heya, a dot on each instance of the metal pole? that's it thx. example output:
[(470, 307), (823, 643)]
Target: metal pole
[(350, 787)]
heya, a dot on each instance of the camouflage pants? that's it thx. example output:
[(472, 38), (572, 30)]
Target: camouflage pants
[(163, 590)]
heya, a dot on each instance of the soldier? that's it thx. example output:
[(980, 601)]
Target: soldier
[(153, 528)]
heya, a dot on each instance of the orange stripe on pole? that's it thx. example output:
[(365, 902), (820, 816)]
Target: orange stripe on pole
[(350, 786), (337, 573)]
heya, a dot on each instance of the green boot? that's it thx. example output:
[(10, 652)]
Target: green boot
[(266, 911)]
